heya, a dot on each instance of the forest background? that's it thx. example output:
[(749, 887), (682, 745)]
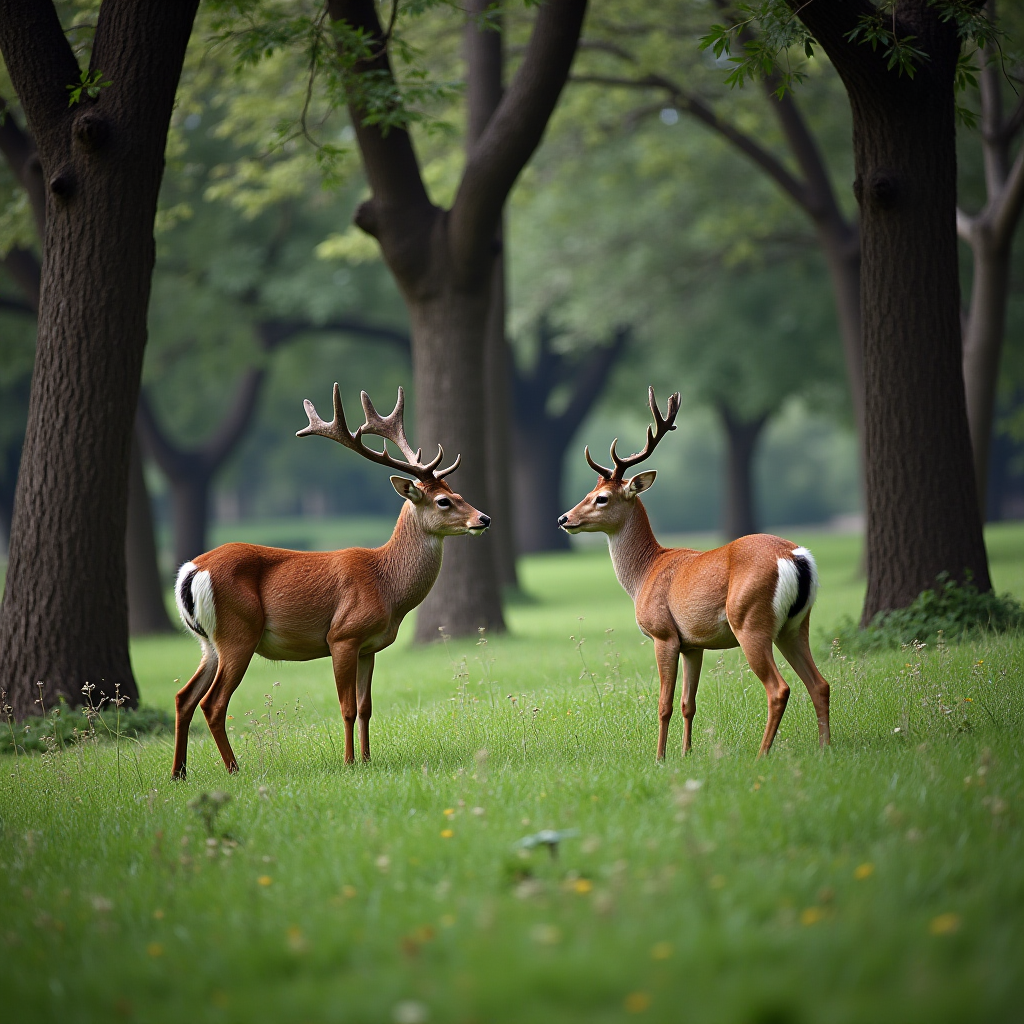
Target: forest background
[(641, 245)]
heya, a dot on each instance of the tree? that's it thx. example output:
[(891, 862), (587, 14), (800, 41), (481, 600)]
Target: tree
[(147, 613), (64, 617), (443, 261), (543, 434), (989, 233), (921, 500)]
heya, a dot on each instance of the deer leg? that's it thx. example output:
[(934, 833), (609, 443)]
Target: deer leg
[(185, 703), (233, 661), (667, 654), (692, 662), (364, 703), (345, 655), (757, 646), (796, 649)]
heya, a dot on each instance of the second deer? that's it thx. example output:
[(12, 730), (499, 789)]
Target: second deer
[(752, 593), (244, 599)]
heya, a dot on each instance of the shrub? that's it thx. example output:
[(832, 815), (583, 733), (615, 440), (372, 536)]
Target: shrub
[(64, 725), (958, 611)]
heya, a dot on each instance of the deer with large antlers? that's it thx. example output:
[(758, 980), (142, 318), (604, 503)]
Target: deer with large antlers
[(752, 593), (244, 599)]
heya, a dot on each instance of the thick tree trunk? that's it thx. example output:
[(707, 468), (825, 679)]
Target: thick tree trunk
[(538, 473), (147, 612), (739, 516), (448, 356), (922, 512), (64, 618)]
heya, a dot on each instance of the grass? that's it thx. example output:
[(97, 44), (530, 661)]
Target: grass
[(882, 880)]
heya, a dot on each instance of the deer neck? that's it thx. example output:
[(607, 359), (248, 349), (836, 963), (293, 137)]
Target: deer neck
[(633, 549), (409, 562)]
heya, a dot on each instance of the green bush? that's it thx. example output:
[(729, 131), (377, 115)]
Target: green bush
[(64, 725), (957, 611)]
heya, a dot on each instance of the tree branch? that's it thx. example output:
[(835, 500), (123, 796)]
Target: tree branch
[(19, 150), (1007, 210), (389, 160), (699, 109), (41, 65), (591, 380), (276, 332), (515, 129)]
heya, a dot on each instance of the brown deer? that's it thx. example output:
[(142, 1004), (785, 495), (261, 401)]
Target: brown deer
[(751, 593), (244, 599)]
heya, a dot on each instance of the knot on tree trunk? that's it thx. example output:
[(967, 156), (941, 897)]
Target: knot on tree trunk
[(882, 188), (91, 131), (62, 184), (365, 218)]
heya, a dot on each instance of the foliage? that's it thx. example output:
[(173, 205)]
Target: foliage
[(880, 881), (949, 611), (64, 726), (91, 83)]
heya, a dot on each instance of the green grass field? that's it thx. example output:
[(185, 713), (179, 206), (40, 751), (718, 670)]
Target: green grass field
[(882, 880)]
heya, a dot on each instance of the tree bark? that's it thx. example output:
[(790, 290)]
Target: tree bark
[(922, 511), (64, 618), (147, 613), (739, 514), (443, 262)]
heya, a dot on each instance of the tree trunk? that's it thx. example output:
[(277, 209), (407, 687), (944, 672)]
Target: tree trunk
[(190, 503), (921, 502), (64, 618), (739, 517), (983, 342), (538, 466), (497, 362), (147, 612), (448, 357)]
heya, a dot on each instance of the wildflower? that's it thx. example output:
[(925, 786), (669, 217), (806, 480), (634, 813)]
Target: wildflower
[(583, 886), (945, 924), (101, 904), (155, 949), (661, 950), (546, 934), (410, 1012), (811, 915), (296, 940), (863, 871), (478, 811), (158, 915), (348, 891), (383, 862), (446, 833), (449, 811), (637, 1002), (265, 880)]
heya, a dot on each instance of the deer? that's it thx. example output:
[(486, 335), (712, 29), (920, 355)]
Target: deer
[(244, 599), (752, 593)]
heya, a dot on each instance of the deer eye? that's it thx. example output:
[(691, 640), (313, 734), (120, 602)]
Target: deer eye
[(601, 499), (443, 503)]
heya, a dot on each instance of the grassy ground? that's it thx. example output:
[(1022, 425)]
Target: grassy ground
[(882, 880)]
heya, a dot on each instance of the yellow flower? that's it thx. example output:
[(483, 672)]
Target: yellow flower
[(265, 880), (348, 891), (447, 833), (449, 811), (155, 949), (637, 1002), (945, 924), (583, 885), (811, 915), (158, 915), (661, 950), (863, 871)]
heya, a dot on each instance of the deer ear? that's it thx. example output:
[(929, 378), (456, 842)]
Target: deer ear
[(407, 489), (640, 482)]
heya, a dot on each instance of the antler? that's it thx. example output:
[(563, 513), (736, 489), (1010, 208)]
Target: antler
[(391, 428), (663, 424)]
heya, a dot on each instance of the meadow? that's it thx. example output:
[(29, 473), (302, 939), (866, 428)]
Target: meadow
[(881, 879)]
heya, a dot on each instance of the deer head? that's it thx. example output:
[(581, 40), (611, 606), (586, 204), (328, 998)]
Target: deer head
[(436, 506), (609, 504)]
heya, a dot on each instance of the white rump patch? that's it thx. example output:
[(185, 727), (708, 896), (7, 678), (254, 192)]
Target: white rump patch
[(204, 614), (787, 588)]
